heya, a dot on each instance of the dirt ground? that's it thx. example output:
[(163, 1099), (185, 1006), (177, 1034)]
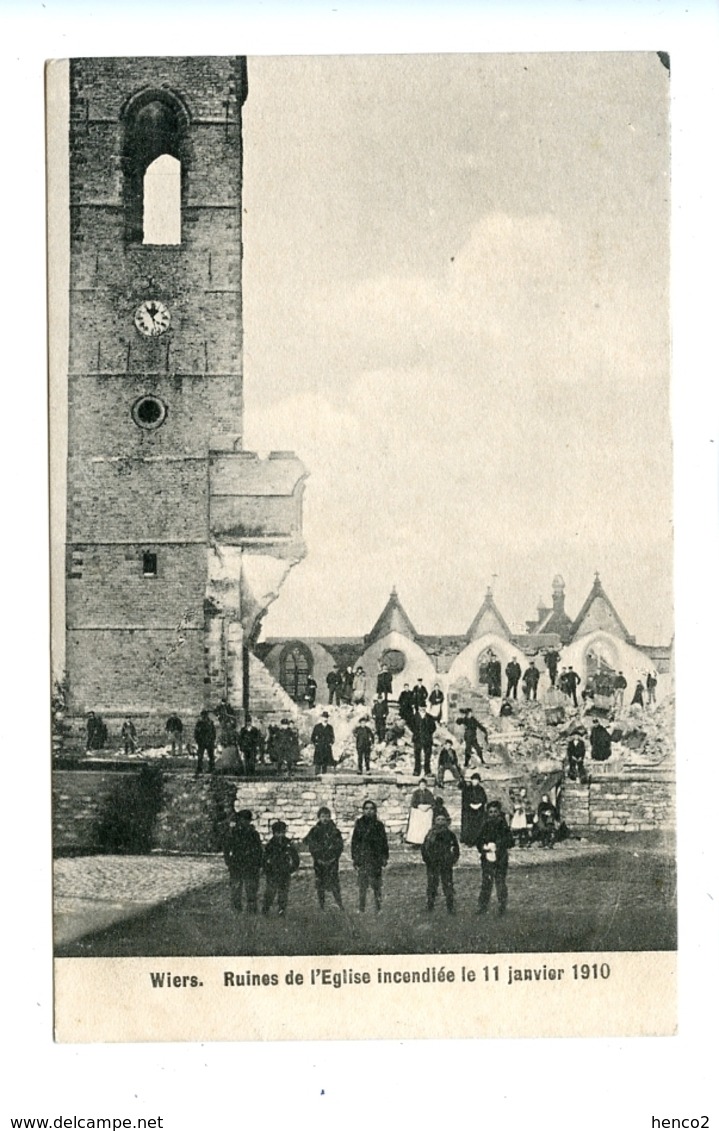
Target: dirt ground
[(620, 899)]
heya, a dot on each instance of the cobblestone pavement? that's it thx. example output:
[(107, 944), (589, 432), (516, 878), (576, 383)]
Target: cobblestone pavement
[(135, 879), (93, 892)]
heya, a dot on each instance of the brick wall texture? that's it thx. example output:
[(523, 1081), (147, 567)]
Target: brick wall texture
[(135, 643)]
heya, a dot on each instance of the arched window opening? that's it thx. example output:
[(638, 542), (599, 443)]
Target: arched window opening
[(161, 211), (295, 667), (153, 167), (395, 660), (600, 668)]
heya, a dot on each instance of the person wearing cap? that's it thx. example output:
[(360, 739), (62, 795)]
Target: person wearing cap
[(380, 711), (325, 843), (440, 852), (243, 857), (474, 801), (423, 730), (384, 682), (493, 844), (286, 746), (323, 737), (249, 743), (420, 694), (370, 853), (576, 752), (448, 763), (472, 727), (205, 736), (531, 680), (572, 681), (512, 672), (334, 684), (364, 740), (620, 686), (280, 860)]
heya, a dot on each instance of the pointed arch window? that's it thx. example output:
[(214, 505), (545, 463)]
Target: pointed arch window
[(295, 666), (154, 162)]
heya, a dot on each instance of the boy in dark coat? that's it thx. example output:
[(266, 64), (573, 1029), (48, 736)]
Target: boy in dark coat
[(370, 853), (364, 739), (493, 844), (576, 751), (440, 853), (423, 729), (325, 843), (279, 862), (205, 735), (243, 857), (448, 763), (380, 711)]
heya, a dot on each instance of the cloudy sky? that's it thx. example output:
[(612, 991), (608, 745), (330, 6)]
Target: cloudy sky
[(456, 312)]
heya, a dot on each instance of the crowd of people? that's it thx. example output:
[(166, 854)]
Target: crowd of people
[(280, 747), (484, 829)]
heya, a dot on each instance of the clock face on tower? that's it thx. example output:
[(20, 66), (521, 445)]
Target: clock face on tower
[(152, 318)]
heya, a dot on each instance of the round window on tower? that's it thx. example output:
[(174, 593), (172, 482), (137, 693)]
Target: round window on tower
[(149, 412)]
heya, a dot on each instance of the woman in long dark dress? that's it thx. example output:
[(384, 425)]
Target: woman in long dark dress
[(474, 801)]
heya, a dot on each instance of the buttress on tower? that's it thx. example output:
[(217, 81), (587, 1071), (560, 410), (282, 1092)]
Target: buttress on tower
[(177, 538)]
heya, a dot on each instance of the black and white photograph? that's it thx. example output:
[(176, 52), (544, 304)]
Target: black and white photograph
[(363, 630)]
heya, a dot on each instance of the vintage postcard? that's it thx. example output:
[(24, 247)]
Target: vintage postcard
[(363, 646)]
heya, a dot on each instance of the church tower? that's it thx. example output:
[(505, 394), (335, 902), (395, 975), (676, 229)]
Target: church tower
[(177, 539)]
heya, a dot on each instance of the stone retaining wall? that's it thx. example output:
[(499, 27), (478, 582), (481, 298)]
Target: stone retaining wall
[(621, 803), (191, 813)]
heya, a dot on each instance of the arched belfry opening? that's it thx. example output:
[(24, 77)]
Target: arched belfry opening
[(154, 161), (162, 201)]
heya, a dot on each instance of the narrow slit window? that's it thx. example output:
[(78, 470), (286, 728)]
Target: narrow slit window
[(161, 201), (149, 565)]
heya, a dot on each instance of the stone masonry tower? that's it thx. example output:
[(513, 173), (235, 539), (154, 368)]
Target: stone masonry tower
[(177, 539)]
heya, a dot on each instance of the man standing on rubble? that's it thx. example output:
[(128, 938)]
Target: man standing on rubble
[(531, 680), (423, 736), (572, 682), (512, 672), (323, 737), (406, 706), (380, 711), (472, 727), (551, 659)]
